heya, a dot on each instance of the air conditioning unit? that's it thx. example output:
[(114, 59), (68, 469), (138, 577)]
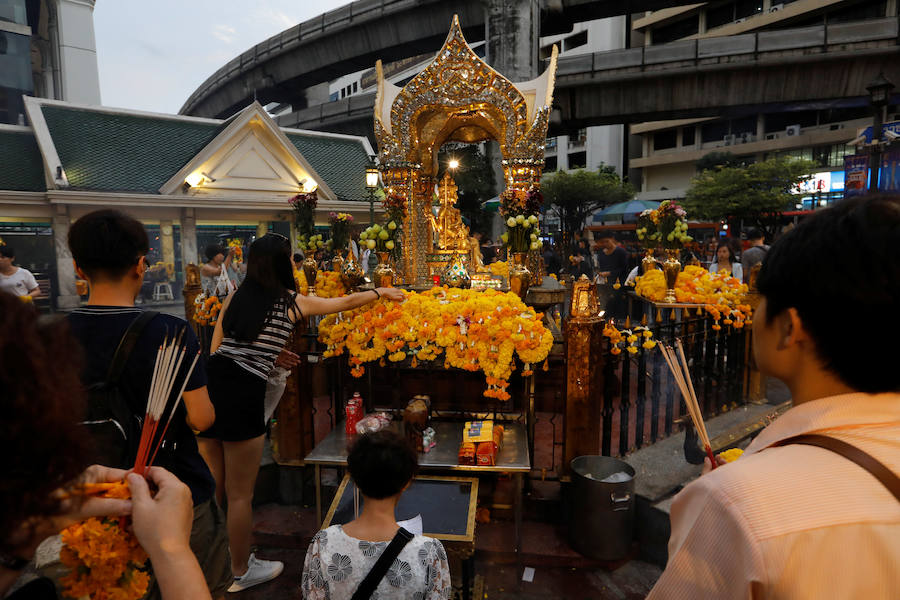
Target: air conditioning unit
[(771, 136), (740, 20), (792, 130), (747, 137), (776, 8), (730, 139)]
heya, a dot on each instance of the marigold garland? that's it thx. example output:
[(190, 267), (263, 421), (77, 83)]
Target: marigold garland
[(106, 561), (628, 339), (475, 330), (206, 309), (721, 295), (328, 284)]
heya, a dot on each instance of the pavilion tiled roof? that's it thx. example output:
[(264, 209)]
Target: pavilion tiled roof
[(21, 165)]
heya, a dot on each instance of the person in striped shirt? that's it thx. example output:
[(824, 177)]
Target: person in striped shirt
[(250, 336), (803, 517)]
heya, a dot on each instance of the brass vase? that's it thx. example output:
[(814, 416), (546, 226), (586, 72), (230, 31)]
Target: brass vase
[(671, 269), (310, 270), (338, 261), (519, 275), (648, 263), (383, 274), (352, 274), (455, 274)]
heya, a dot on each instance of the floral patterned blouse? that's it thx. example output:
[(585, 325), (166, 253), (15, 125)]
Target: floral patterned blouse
[(336, 564)]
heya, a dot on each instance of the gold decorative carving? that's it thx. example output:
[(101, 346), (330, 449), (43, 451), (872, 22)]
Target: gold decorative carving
[(458, 97)]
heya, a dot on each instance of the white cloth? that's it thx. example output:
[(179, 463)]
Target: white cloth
[(275, 385), (336, 564), (19, 283)]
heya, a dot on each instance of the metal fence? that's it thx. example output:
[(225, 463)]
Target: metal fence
[(641, 403)]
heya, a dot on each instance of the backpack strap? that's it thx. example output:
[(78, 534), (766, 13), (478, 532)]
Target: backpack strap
[(127, 344), (865, 460), (387, 558)]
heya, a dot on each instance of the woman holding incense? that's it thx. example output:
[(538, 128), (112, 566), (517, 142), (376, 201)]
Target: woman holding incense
[(254, 326), (38, 403)]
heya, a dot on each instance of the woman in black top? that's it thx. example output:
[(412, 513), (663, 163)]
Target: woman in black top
[(253, 328)]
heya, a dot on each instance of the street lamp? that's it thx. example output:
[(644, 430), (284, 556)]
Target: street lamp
[(879, 97), (371, 184)]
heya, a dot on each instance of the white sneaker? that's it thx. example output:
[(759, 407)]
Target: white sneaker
[(258, 571)]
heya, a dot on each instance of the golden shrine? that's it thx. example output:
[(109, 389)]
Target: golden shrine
[(457, 97)]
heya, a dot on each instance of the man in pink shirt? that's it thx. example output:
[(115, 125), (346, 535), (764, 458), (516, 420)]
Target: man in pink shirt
[(788, 519)]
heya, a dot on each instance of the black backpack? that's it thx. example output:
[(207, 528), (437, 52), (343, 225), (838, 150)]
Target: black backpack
[(114, 429)]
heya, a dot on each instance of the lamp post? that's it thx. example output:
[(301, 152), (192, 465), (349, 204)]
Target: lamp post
[(879, 96), (371, 184)]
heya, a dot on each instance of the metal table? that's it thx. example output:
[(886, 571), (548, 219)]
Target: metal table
[(513, 458)]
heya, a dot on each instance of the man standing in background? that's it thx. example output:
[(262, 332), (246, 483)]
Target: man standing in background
[(755, 253), (16, 280)]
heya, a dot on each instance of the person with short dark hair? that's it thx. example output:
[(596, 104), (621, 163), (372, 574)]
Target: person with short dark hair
[(109, 249), (807, 512), (297, 260), (726, 262), (755, 254), (214, 277), (382, 465), (38, 396), (16, 280)]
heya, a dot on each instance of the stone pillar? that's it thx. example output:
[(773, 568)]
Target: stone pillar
[(188, 238), (513, 37), (65, 270), (262, 229), (167, 242), (584, 373)]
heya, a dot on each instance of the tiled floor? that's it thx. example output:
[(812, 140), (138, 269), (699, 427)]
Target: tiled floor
[(283, 532)]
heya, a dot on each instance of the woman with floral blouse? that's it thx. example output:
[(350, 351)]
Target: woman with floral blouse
[(382, 465)]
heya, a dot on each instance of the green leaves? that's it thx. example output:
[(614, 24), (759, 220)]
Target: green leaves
[(574, 195)]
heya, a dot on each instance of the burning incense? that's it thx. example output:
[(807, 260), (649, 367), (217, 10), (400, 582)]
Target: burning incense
[(678, 365)]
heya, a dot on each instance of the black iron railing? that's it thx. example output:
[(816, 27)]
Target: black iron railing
[(641, 403)]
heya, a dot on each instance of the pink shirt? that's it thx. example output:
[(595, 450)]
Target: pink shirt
[(794, 521)]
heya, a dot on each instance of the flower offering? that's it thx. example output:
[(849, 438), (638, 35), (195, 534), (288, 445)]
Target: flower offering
[(340, 229), (665, 226), (328, 284), (381, 238), (206, 309), (474, 330)]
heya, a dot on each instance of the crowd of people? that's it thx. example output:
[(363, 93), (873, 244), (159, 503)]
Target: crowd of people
[(795, 517)]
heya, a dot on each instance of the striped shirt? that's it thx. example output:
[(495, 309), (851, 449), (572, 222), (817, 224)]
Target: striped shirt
[(794, 521), (259, 356)]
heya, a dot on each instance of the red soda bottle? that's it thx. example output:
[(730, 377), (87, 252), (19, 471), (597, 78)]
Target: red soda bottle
[(354, 413)]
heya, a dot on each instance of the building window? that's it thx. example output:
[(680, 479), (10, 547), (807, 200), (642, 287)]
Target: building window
[(719, 15), (354, 86), (550, 164), (575, 41), (676, 31), (578, 160), (687, 136), (747, 8), (550, 144), (546, 51), (713, 132), (663, 140), (14, 11)]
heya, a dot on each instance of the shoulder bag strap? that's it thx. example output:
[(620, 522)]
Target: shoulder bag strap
[(126, 345), (868, 462), (387, 558)]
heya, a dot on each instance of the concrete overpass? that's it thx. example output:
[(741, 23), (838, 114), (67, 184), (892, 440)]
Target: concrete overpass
[(351, 38), (812, 66)]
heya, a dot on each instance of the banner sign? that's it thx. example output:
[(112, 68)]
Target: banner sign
[(856, 167)]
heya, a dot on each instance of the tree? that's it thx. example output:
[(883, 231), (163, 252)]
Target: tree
[(475, 182), (574, 196), (719, 159), (755, 194)]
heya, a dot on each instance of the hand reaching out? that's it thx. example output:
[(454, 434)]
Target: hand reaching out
[(287, 360), (391, 293), (162, 523)]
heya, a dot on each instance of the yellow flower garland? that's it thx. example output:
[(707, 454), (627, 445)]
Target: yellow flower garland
[(721, 295), (328, 284), (474, 330)]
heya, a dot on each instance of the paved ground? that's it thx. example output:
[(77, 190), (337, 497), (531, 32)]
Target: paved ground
[(283, 532)]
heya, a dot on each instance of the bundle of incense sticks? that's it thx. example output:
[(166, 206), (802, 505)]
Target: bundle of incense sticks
[(165, 371), (678, 364)]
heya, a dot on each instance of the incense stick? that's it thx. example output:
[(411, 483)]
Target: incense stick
[(678, 365), (174, 408)]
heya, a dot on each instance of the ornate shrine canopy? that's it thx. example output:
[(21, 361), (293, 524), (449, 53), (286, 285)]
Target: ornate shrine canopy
[(459, 97)]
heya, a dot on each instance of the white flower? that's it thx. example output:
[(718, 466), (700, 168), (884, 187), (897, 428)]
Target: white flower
[(370, 244), (376, 228), (389, 244), (383, 235), (533, 219), (392, 226), (364, 235), (511, 222), (520, 219), (533, 237)]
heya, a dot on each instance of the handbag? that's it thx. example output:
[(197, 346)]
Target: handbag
[(387, 558), (865, 460)]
